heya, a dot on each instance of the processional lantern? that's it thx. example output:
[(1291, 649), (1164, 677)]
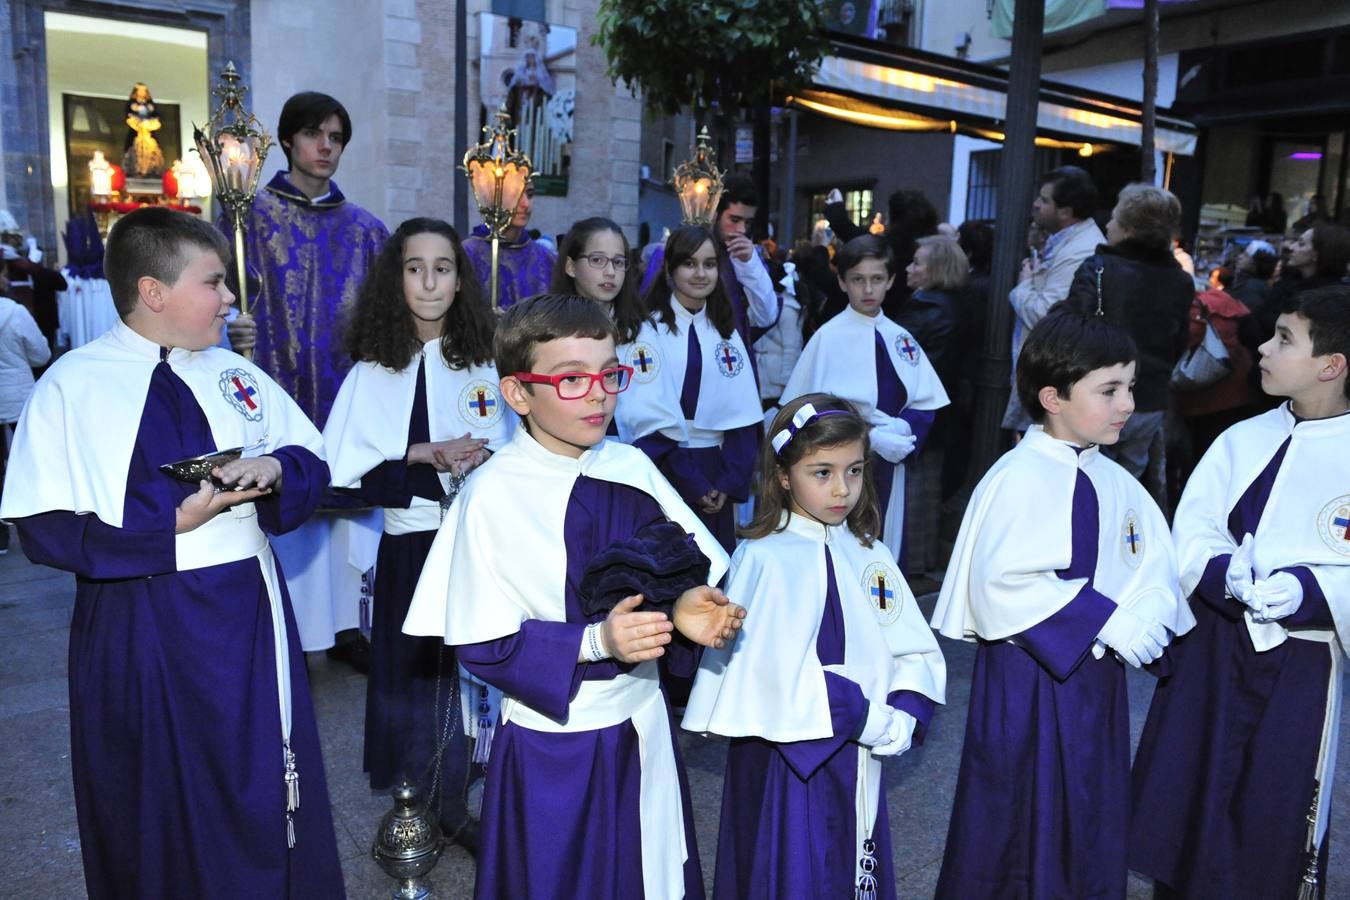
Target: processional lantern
[(498, 175), (234, 146), (699, 183)]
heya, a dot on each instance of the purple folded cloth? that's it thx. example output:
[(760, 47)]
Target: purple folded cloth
[(660, 562)]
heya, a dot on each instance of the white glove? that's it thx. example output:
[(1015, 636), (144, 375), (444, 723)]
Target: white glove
[(34, 254), (902, 726), (8, 251), (1239, 577), (1276, 597), (1136, 640), (877, 728), (890, 446)]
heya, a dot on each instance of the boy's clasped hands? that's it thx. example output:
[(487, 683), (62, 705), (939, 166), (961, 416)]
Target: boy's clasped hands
[(1270, 599), (243, 480), (703, 614)]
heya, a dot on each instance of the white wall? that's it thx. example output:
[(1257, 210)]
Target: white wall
[(104, 57), (336, 47)]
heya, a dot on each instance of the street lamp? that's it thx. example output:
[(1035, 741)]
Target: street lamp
[(498, 174), (699, 183), (234, 146)]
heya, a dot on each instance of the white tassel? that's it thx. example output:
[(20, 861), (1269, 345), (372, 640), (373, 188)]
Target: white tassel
[(866, 888), (292, 778), (487, 727)]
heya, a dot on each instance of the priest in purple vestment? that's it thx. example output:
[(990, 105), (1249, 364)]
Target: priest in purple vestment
[(524, 266), (310, 249), (194, 748)]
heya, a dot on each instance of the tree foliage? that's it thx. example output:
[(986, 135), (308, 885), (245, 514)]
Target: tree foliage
[(690, 52)]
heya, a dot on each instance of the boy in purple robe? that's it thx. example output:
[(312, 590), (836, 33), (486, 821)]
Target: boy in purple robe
[(1062, 557), (192, 728), (1232, 780), (586, 794), (524, 266)]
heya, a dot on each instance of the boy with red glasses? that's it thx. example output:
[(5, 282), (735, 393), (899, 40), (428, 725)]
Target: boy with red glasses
[(536, 578)]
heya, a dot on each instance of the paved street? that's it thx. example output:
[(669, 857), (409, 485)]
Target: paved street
[(39, 847)]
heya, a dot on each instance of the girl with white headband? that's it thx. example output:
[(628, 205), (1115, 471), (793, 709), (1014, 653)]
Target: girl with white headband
[(833, 671)]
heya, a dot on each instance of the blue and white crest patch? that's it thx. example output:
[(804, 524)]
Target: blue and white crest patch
[(728, 359), (240, 388), (644, 361), (881, 583), (479, 404), (1333, 523), (908, 349), (1131, 540)]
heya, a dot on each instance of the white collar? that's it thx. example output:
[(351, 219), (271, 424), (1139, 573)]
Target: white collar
[(1061, 451), (860, 318), (131, 340), (525, 443)]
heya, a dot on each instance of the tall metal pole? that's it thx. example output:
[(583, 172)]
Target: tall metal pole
[(461, 210), (1148, 169), (1016, 187)]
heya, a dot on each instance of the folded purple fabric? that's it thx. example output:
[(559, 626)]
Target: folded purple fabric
[(660, 562)]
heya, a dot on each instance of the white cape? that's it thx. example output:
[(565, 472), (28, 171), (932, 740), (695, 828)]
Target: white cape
[(369, 421), (514, 509), (728, 397), (770, 683), (80, 424), (1306, 521), (840, 359), (1017, 532)]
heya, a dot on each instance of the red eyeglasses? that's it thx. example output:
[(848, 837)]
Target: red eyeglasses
[(575, 385)]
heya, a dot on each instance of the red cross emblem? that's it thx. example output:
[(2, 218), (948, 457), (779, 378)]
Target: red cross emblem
[(244, 392)]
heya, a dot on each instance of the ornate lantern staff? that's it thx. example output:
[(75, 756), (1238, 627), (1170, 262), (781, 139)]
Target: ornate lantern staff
[(498, 174), (234, 146), (699, 183)]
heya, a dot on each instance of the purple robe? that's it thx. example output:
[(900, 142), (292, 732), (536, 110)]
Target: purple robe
[(524, 268), (310, 257), (413, 681), (1226, 766), (1041, 798), (174, 720), (694, 471), (788, 811), (891, 399), (560, 813)]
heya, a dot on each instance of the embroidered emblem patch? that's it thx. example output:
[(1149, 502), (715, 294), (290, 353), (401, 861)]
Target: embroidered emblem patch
[(882, 586), (644, 361), (1131, 540), (1333, 523), (479, 404), (908, 349), (728, 359), (241, 390)]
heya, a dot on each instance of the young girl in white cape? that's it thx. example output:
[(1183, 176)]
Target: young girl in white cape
[(835, 669), (416, 414)]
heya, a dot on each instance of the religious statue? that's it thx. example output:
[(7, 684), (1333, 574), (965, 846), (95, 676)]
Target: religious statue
[(143, 157)]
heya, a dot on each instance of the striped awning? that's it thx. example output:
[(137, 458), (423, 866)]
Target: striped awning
[(912, 86)]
